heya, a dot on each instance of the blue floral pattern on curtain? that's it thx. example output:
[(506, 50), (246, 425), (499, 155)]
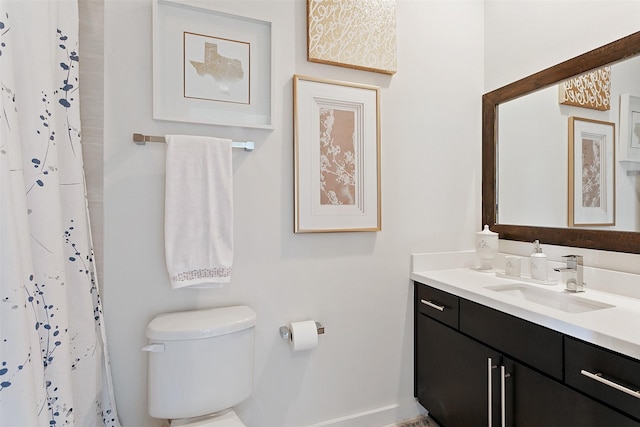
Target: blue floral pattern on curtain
[(54, 368)]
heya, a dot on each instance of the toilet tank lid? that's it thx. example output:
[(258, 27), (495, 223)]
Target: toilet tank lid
[(196, 324)]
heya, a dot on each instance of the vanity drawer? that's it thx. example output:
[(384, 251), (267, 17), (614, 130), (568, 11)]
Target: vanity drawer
[(534, 345), (437, 304), (617, 377)]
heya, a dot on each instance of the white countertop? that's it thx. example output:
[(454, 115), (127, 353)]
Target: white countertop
[(616, 328)]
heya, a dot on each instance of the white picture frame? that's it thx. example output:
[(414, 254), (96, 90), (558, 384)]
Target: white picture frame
[(211, 67), (592, 185), (336, 156), (629, 134)]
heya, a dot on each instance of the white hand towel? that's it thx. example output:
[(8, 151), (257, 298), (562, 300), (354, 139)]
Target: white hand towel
[(198, 221)]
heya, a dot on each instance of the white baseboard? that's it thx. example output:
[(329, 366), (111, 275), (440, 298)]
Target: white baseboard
[(377, 417)]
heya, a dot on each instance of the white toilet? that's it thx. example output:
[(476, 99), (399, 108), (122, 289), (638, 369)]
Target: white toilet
[(200, 365)]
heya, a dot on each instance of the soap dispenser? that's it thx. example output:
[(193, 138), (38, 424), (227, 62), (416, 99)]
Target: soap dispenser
[(538, 263)]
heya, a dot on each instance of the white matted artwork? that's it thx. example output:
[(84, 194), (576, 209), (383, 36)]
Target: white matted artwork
[(337, 156), (591, 172), (629, 142), (211, 67)]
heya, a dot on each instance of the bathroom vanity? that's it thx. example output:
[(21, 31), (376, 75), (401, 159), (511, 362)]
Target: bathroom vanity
[(493, 351), (500, 352)]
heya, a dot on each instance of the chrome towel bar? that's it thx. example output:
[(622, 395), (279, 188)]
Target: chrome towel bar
[(141, 139)]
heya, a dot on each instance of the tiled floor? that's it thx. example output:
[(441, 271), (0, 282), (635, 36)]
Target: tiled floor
[(417, 422), (433, 423)]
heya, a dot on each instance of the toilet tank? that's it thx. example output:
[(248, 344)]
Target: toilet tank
[(200, 361)]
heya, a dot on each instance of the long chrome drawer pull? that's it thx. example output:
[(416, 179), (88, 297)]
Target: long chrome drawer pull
[(503, 396), (490, 367), (432, 305), (598, 377)]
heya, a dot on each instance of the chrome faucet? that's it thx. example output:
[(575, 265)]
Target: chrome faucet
[(572, 273)]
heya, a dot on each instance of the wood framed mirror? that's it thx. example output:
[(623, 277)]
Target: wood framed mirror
[(602, 239)]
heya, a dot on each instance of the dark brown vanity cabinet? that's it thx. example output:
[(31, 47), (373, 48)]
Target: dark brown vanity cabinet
[(452, 378), (476, 366)]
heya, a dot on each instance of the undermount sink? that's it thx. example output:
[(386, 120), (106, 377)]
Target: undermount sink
[(569, 303)]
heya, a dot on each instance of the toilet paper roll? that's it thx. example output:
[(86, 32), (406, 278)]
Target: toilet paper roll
[(304, 335)]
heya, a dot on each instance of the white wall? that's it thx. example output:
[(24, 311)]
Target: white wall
[(525, 36), (355, 283)]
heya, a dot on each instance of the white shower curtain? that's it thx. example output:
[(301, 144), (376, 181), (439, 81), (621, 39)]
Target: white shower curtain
[(54, 368)]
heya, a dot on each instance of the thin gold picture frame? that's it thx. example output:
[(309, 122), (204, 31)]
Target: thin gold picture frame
[(591, 200), (195, 46), (336, 156)]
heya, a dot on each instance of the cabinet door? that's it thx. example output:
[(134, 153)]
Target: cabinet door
[(453, 375), (534, 400)]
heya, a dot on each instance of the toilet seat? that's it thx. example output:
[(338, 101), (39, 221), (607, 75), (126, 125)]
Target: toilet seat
[(227, 418)]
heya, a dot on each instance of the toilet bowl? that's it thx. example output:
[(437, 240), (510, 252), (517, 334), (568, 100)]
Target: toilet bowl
[(227, 418), (200, 365)]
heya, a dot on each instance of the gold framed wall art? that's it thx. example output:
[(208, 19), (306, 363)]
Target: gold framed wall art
[(353, 33), (591, 172), (336, 156), (590, 90)]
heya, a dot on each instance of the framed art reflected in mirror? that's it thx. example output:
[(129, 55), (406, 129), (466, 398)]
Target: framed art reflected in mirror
[(592, 186)]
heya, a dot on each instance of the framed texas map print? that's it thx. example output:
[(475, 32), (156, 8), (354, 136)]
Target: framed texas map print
[(629, 143), (210, 67), (215, 69)]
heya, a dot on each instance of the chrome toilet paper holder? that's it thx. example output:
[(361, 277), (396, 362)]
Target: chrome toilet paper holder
[(285, 332)]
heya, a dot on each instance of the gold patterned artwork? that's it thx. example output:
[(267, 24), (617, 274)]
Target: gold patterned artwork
[(590, 90), (337, 156), (353, 33)]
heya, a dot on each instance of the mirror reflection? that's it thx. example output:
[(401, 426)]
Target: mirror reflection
[(525, 155), (532, 161)]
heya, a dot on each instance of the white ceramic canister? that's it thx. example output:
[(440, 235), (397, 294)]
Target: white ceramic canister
[(486, 248)]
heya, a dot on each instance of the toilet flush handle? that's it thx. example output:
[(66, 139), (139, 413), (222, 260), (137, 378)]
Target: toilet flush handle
[(154, 348)]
